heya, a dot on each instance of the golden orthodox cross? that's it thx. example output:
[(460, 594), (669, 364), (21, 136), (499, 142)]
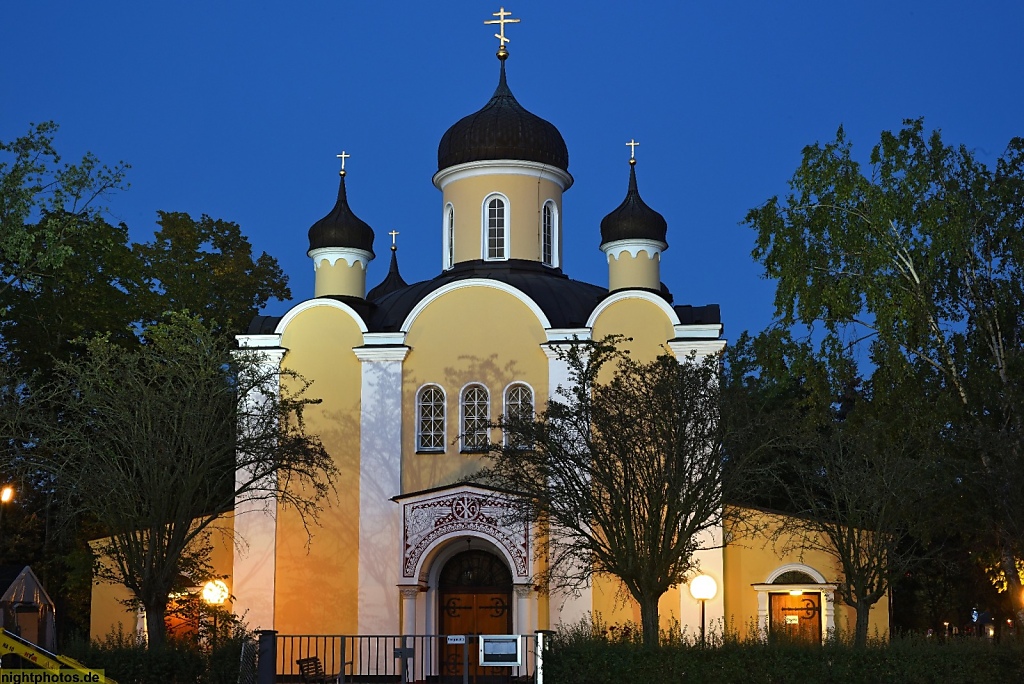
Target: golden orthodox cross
[(501, 21), (632, 148)]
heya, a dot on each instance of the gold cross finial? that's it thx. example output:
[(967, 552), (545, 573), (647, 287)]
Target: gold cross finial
[(503, 18), (343, 157), (632, 150), (393, 234)]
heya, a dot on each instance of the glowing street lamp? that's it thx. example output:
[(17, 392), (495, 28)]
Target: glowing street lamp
[(215, 593), (6, 496), (703, 588)]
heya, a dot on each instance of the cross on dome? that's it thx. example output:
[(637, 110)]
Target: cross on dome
[(393, 234), (343, 156), (632, 144), (503, 18)]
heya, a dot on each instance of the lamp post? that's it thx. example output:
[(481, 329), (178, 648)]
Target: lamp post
[(6, 496), (703, 588), (215, 593)]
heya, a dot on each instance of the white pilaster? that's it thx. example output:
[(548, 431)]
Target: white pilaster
[(409, 596), (380, 478), (524, 614), (255, 522), (565, 607)]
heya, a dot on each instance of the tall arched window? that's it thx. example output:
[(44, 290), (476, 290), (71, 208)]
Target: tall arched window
[(518, 405), (430, 419), (475, 415), (449, 237), (495, 224), (548, 230)]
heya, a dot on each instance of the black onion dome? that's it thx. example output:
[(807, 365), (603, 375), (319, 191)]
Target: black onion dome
[(341, 228), (391, 283), (633, 219), (503, 129)]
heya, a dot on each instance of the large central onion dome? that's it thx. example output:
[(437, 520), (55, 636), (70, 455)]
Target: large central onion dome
[(503, 129)]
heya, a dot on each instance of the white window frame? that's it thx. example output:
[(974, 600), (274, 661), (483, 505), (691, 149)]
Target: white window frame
[(448, 237), (419, 419), (533, 403), (466, 449), (554, 261), (485, 226)]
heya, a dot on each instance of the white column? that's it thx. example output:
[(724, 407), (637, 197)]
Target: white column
[(409, 596), (523, 622), (564, 606), (255, 525), (380, 478)]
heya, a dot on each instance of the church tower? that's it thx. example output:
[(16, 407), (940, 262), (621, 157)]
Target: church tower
[(341, 247), (633, 238), (502, 171)]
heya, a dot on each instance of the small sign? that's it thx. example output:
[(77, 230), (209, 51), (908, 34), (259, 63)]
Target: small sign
[(500, 650), (454, 640), (792, 619)]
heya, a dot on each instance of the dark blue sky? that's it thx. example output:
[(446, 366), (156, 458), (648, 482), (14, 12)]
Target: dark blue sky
[(236, 109)]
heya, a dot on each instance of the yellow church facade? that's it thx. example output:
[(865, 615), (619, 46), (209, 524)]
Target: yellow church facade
[(410, 375)]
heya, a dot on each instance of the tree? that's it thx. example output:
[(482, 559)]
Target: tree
[(917, 261), (206, 267), (158, 441), (621, 477), (43, 206)]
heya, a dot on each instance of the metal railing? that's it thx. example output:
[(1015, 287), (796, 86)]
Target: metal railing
[(426, 659)]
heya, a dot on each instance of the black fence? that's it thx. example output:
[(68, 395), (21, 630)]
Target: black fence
[(425, 659)]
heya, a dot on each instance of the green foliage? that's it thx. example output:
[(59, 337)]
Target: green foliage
[(583, 655), (44, 206), (122, 658)]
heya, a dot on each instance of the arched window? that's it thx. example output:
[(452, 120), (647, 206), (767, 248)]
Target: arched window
[(518, 405), (548, 231), (495, 232), (449, 237), (430, 419), (475, 415)]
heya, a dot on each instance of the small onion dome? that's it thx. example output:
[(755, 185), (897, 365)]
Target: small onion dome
[(391, 283), (341, 228), (503, 129), (633, 219)]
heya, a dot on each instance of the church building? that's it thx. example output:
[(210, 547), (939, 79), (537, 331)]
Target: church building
[(410, 375)]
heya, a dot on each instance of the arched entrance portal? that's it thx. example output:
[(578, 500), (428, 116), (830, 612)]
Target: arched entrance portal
[(474, 593)]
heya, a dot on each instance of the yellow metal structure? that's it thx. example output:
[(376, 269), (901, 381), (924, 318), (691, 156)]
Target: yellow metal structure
[(30, 653)]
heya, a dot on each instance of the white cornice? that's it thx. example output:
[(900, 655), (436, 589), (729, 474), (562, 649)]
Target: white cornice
[(682, 349), (556, 335), (490, 167), (331, 255), (634, 246), (379, 354), (383, 338), (708, 331), (258, 341)]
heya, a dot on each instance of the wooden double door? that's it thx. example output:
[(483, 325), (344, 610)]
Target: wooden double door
[(475, 597), (795, 616)]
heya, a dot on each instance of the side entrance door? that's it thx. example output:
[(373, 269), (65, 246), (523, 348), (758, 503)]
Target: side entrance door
[(797, 617), (475, 597)]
